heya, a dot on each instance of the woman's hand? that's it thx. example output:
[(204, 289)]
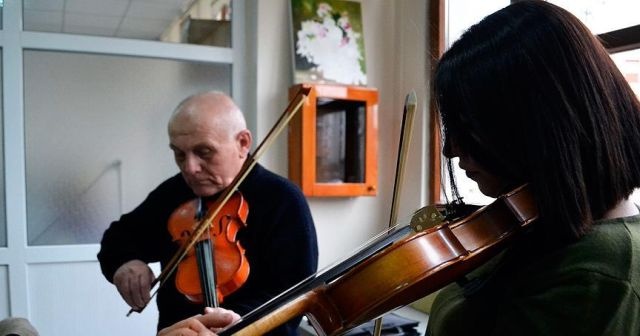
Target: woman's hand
[(213, 320)]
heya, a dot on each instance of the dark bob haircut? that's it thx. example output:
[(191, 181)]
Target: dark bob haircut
[(534, 97)]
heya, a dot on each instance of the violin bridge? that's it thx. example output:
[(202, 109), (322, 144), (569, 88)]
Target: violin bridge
[(426, 217)]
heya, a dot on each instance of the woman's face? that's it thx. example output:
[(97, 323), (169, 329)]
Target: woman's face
[(489, 184)]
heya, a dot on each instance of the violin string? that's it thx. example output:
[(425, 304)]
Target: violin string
[(324, 275), (209, 282), (407, 126), (408, 115), (402, 223), (517, 207)]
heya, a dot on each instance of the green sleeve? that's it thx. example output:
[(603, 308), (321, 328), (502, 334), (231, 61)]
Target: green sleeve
[(578, 303)]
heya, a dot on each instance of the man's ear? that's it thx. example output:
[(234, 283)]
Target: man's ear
[(244, 141)]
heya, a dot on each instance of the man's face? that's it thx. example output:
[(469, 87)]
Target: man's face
[(208, 160)]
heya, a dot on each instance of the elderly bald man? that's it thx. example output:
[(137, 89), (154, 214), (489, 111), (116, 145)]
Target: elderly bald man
[(210, 143)]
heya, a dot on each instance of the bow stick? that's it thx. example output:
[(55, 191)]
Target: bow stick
[(406, 130)]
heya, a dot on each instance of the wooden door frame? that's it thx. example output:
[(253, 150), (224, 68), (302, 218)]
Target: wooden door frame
[(436, 45)]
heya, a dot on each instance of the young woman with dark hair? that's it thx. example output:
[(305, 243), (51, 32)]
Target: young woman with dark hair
[(529, 96)]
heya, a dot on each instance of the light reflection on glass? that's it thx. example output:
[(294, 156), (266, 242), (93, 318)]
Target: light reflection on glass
[(603, 15), (629, 64)]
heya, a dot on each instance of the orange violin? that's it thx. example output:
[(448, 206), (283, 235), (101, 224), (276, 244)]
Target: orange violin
[(217, 260)]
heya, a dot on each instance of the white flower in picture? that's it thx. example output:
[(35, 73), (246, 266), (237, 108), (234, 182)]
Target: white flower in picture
[(330, 43)]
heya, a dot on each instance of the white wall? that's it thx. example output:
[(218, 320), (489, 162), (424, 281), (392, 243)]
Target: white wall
[(395, 39)]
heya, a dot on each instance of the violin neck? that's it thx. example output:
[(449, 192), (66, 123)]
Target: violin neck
[(206, 270)]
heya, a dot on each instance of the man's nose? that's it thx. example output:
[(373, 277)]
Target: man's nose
[(191, 164)]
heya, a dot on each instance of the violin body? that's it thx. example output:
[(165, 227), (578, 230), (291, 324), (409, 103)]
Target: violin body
[(406, 270), (231, 265), (429, 260)]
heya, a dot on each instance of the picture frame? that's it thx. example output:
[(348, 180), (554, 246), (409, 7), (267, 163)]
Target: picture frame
[(328, 42)]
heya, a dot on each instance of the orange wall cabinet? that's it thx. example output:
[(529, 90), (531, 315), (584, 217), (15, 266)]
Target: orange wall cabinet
[(333, 141)]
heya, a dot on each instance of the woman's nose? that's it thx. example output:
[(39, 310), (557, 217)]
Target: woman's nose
[(450, 149)]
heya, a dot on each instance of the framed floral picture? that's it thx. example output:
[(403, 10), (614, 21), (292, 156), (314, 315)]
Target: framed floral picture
[(328, 42)]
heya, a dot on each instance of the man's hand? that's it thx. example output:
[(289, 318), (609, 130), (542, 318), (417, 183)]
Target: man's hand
[(133, 280), (213, 320)]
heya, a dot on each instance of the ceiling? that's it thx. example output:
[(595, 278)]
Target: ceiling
[(138, 19)]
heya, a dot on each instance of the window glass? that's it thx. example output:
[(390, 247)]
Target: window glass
[(602, 16), (203, 22), (96, 136), (629, 64), (462, 14)]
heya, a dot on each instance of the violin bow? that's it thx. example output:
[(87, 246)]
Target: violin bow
[(294, 106), (406, 130)]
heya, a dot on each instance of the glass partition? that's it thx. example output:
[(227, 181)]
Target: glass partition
[(95, 136), (205, 22), (3, 218), (4, 290)]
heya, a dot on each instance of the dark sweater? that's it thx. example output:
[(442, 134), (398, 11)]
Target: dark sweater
[(280, 243)]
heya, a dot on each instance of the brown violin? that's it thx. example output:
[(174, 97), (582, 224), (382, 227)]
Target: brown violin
[(216, 266), (396, 270)]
